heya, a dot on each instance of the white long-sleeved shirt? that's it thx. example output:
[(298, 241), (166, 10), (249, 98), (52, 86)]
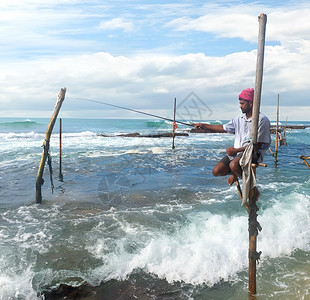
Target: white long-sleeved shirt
[(241, 128)]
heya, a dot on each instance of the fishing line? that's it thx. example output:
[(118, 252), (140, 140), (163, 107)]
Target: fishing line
[(134, 110)]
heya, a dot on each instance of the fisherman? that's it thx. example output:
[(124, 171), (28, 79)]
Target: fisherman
[(241, 127)]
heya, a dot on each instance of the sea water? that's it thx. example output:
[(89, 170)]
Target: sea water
[(131, 209)]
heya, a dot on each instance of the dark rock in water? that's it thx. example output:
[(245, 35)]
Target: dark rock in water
[(151, 135), (135, 287), (169, 134), (134, 134), (282, 128), (130, 134), (166, 134), (64, 291), (295, 126), (202, 131)]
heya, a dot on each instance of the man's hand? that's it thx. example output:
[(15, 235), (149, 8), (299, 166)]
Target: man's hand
[(198, 125), (231, 151)]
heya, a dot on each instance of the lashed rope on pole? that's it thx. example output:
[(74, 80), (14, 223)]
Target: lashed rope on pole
[(39, 182)]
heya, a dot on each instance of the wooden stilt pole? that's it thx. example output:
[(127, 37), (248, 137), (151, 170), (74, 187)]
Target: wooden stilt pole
[(253, 232), (60, 151), (259, 76), (253, 224), (277, 137), (275, 153), (39, 182), (174, 123)]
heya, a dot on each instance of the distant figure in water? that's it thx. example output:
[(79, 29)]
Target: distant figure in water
[(241, 128)]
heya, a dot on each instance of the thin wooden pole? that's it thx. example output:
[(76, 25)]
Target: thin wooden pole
[(277, 137), (253, 224), (60, 150), (39, 182), (174, 123)]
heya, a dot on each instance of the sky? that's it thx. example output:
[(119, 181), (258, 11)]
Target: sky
[(144, 54)]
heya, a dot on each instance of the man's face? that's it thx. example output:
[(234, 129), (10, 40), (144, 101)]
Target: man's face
[(245, 106)]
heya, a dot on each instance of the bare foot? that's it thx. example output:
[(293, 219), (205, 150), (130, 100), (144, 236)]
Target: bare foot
[(231, 179)]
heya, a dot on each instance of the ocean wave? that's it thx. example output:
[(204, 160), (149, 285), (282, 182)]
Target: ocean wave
[(167, 256), (207, 241), (159, 124), (217, 122), (18, 124), (188, 251), (81, 134), (36, 135), (21, 135), (293, 211)]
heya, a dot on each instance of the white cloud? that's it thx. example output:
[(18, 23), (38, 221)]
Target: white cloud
[(147, 78), (289, 25), (151, 82), (241, 22), (117, 23), (230, 25)]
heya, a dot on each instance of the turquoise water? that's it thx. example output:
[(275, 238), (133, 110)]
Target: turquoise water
[(134, 210)]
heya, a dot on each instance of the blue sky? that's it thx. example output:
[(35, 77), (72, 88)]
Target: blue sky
[(143, 54)]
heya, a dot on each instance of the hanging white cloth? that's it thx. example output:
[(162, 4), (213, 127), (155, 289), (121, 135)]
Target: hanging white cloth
[(248, 176)]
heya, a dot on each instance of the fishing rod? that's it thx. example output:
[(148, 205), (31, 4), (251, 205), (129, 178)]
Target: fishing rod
[(134, 110)]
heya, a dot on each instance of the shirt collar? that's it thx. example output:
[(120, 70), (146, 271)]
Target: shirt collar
[(245, 118)]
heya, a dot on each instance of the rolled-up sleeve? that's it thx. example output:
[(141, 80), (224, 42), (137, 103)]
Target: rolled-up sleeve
[(230, 127)]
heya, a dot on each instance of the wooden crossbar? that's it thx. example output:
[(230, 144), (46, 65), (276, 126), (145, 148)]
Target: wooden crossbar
[(305, 160)]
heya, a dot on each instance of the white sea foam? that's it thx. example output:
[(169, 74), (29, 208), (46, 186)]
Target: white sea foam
[(82, 134), (286, 226), (211, 247), (195, 253), (134, 151), (275, 123), (158, 150), (17, 285), (192, 254), (21, 135), (30, 240), (276, 186)]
